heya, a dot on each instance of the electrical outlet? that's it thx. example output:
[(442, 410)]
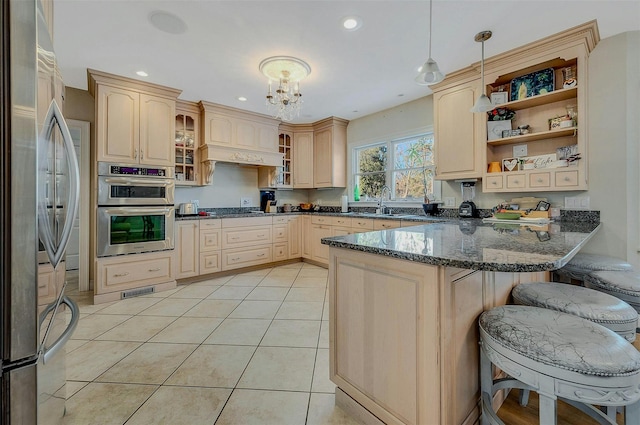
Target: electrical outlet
[(584, 202), (450, 201), (245, 202), (519, 151)]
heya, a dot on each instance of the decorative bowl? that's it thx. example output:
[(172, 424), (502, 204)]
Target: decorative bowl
[(306, 206), (430, 209)]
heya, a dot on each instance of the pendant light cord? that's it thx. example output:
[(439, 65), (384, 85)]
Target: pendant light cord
[(430, 24), (484, 89)]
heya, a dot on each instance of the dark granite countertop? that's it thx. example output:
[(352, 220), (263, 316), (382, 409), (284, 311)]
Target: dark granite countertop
[(472, 244), (406, 217)]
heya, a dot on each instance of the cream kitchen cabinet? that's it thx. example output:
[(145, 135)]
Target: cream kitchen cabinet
[(303, 159), (135, 121), (295, 237), (536, 109), (50, 283), (320, 252), (187, 142), (286, 237), (246, 242), (306, 236), (330, 153), (129, 275), (458, 134), (386, 224), (210, 246), (187, 248)]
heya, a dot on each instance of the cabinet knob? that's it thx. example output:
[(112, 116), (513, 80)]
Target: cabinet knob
[(567, 179), (516, 181), (135, 153), (494, 182), (539, 180), (141, 153)]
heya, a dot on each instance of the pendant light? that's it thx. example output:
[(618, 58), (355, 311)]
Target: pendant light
[(429, 72), (483, 104)]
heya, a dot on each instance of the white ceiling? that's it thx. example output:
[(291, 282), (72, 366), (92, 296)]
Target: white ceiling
[(353, 73)]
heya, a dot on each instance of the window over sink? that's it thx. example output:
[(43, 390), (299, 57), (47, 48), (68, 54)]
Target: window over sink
[(405, 165)]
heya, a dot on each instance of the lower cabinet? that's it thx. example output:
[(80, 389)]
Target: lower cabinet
[(50, 282), (243, 257), (295, 237), (187, 248), (320, 252), (306, 236), (116, 276), (210, 245)]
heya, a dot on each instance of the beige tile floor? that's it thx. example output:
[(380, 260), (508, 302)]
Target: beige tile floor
[(246, 349)]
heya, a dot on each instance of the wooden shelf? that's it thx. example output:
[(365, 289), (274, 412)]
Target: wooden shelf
[(532, 137), (541, 99)]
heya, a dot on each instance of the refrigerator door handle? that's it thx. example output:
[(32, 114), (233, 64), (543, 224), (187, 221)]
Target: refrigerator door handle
[(48, 353), (55, 249)]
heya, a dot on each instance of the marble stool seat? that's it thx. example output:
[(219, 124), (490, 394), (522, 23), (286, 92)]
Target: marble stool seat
[(604, 309), (582, 264), (558, 355), (620, 284)]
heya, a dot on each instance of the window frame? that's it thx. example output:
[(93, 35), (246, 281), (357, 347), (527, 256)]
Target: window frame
[(390, 169)]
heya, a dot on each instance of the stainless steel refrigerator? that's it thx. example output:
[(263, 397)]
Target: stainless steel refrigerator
[(38, 200)]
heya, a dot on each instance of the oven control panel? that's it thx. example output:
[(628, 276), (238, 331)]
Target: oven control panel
[(110, 169)]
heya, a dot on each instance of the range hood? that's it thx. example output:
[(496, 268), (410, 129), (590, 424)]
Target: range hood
[(211, 154)]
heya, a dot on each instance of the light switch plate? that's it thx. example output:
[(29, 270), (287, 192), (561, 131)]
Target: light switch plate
[(245, 202), (519, 151), (450, 201)]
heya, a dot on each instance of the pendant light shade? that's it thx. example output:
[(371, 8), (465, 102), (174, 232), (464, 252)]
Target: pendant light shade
[(483, 104), (429, 73)]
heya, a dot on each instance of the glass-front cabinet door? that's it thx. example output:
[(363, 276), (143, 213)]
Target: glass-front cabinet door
[(186, 143), (285, 177)]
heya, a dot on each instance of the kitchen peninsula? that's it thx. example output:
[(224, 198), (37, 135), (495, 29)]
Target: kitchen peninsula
[(404, 304)]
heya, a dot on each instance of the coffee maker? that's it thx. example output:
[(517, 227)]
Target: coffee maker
[(267, 199)]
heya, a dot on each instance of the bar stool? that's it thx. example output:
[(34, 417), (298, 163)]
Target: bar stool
[(558, 355), (582, 264), (599, 307), (623, 285)]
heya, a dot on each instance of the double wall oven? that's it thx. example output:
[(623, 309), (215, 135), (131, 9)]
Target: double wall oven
[(135, 209)]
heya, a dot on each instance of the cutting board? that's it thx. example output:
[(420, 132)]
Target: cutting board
[(527, 203)]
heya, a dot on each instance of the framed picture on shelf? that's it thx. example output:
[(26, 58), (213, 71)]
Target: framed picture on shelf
[(499, 97), (495, 128)]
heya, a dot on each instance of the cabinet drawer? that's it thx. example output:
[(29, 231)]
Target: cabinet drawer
[(515, 181), (210, 262), (385, 224), (566, 178), (362, 224), (280, 233), (209, 224), (494, 182), (341, 221), (540, 179), (133, 271), (280, 251), (246, 236), (209, 240), (236, 258), (321, 219), (246, 221), (280, 220), (340, 231)]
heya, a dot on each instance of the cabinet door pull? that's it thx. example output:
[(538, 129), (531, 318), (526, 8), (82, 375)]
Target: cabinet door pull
[(235, 259), (235, 238), (121, 274), (141, 153), (135, 153), (262, 236), (260, 255), (494, 182), (157, 269)]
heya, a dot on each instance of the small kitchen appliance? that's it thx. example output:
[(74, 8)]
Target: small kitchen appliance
[(265, 197), (271, 207), (467, 208), (188, 208)]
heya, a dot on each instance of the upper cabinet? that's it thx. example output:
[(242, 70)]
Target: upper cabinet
[(459, 144), (303, 158), (135, 121), (187, 142), (330, 153), (545, 84)]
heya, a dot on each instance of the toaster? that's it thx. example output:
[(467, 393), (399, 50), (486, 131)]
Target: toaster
[(188, 208)]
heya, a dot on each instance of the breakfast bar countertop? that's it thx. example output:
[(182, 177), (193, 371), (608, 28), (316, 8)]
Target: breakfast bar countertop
[(472, 244)]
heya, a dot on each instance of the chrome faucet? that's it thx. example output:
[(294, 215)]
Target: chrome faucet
[(381, 206)]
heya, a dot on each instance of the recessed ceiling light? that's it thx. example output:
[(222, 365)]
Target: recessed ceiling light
[(242, 99), (351, 23), (142, 73), (167, 22)]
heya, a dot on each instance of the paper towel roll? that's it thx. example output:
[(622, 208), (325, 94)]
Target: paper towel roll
[(345, 204)]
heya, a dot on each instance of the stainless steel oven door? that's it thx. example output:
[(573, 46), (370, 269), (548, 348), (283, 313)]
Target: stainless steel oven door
[(127, 230), (131, 190)]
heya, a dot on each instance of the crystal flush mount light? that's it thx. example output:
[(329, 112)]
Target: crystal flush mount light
[(286, 72)]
